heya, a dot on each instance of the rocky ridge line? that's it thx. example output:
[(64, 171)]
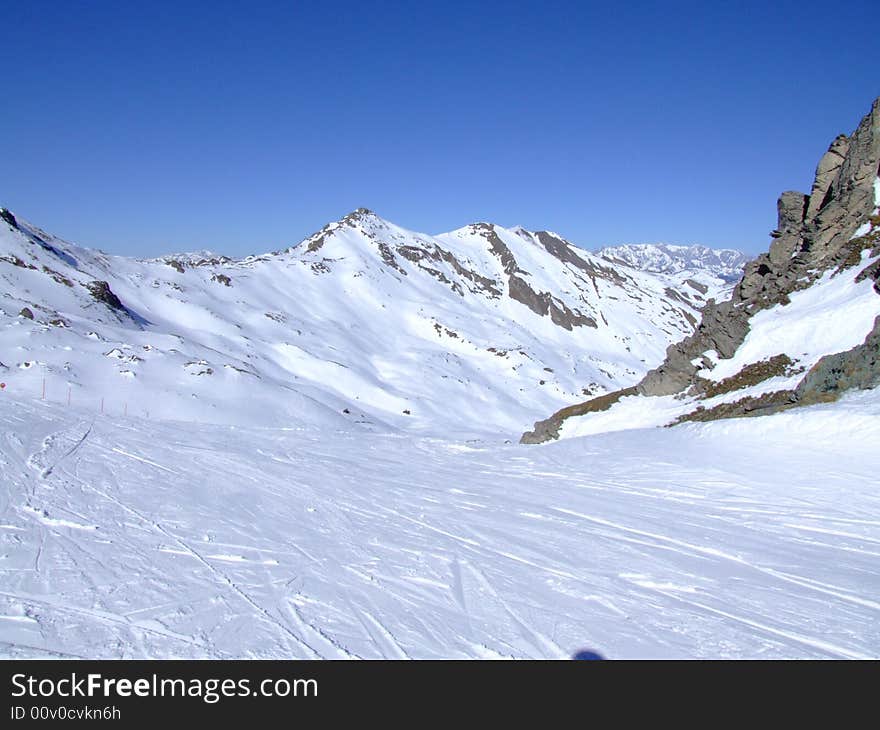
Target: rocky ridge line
[(815, 234)]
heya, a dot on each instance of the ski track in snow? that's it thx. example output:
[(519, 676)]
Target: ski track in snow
[(134, 538)]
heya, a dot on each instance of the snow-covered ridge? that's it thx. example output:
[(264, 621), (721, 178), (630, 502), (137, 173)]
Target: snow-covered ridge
[(364, 323)]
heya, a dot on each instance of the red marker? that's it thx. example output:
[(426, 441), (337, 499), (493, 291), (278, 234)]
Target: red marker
[(2, 386)]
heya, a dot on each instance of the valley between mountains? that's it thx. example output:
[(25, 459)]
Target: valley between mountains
[(331, 450)]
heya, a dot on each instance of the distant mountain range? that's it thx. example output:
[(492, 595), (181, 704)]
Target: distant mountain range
[(665, 258)]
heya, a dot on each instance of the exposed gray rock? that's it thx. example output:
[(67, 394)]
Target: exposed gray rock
[(498, 247), (833, 374), (102, 292), (26, 313), (763, 405), (388, 257), (857, 368), (567, 253), (723, 328), (9, 218), (826, 171), (521, 292), (696, 285), (790, 211), (548, 429), (481, 283), (544, 303), (562, 250)]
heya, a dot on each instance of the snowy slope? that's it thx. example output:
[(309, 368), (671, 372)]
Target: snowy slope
[(278, 502), (123, 537), (833, 315), (476, 330)]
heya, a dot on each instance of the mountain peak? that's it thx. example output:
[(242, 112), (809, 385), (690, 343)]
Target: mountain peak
[(360, 215)]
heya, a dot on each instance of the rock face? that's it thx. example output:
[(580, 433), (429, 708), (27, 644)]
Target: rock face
[(815, 234), (833, 374)]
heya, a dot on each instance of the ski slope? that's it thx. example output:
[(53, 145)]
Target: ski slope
[(128, 537)]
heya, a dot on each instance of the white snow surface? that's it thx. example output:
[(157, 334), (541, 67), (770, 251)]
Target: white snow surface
[(127, 537)]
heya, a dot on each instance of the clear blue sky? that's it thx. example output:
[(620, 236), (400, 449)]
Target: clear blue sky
[(144, 128)]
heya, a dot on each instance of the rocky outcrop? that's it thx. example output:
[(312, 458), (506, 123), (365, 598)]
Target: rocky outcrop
[(101, 292), (478, 283), (498, 247), (7, 216), (826, 171), (542, 303), (765, 405), (548, 429), (752, 374), (833, 374), (815, 233), (857, 368)]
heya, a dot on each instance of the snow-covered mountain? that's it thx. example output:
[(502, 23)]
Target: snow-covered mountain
[(715, 269), (482, 329)]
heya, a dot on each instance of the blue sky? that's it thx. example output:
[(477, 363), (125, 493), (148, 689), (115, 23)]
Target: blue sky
[(144, 128)]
